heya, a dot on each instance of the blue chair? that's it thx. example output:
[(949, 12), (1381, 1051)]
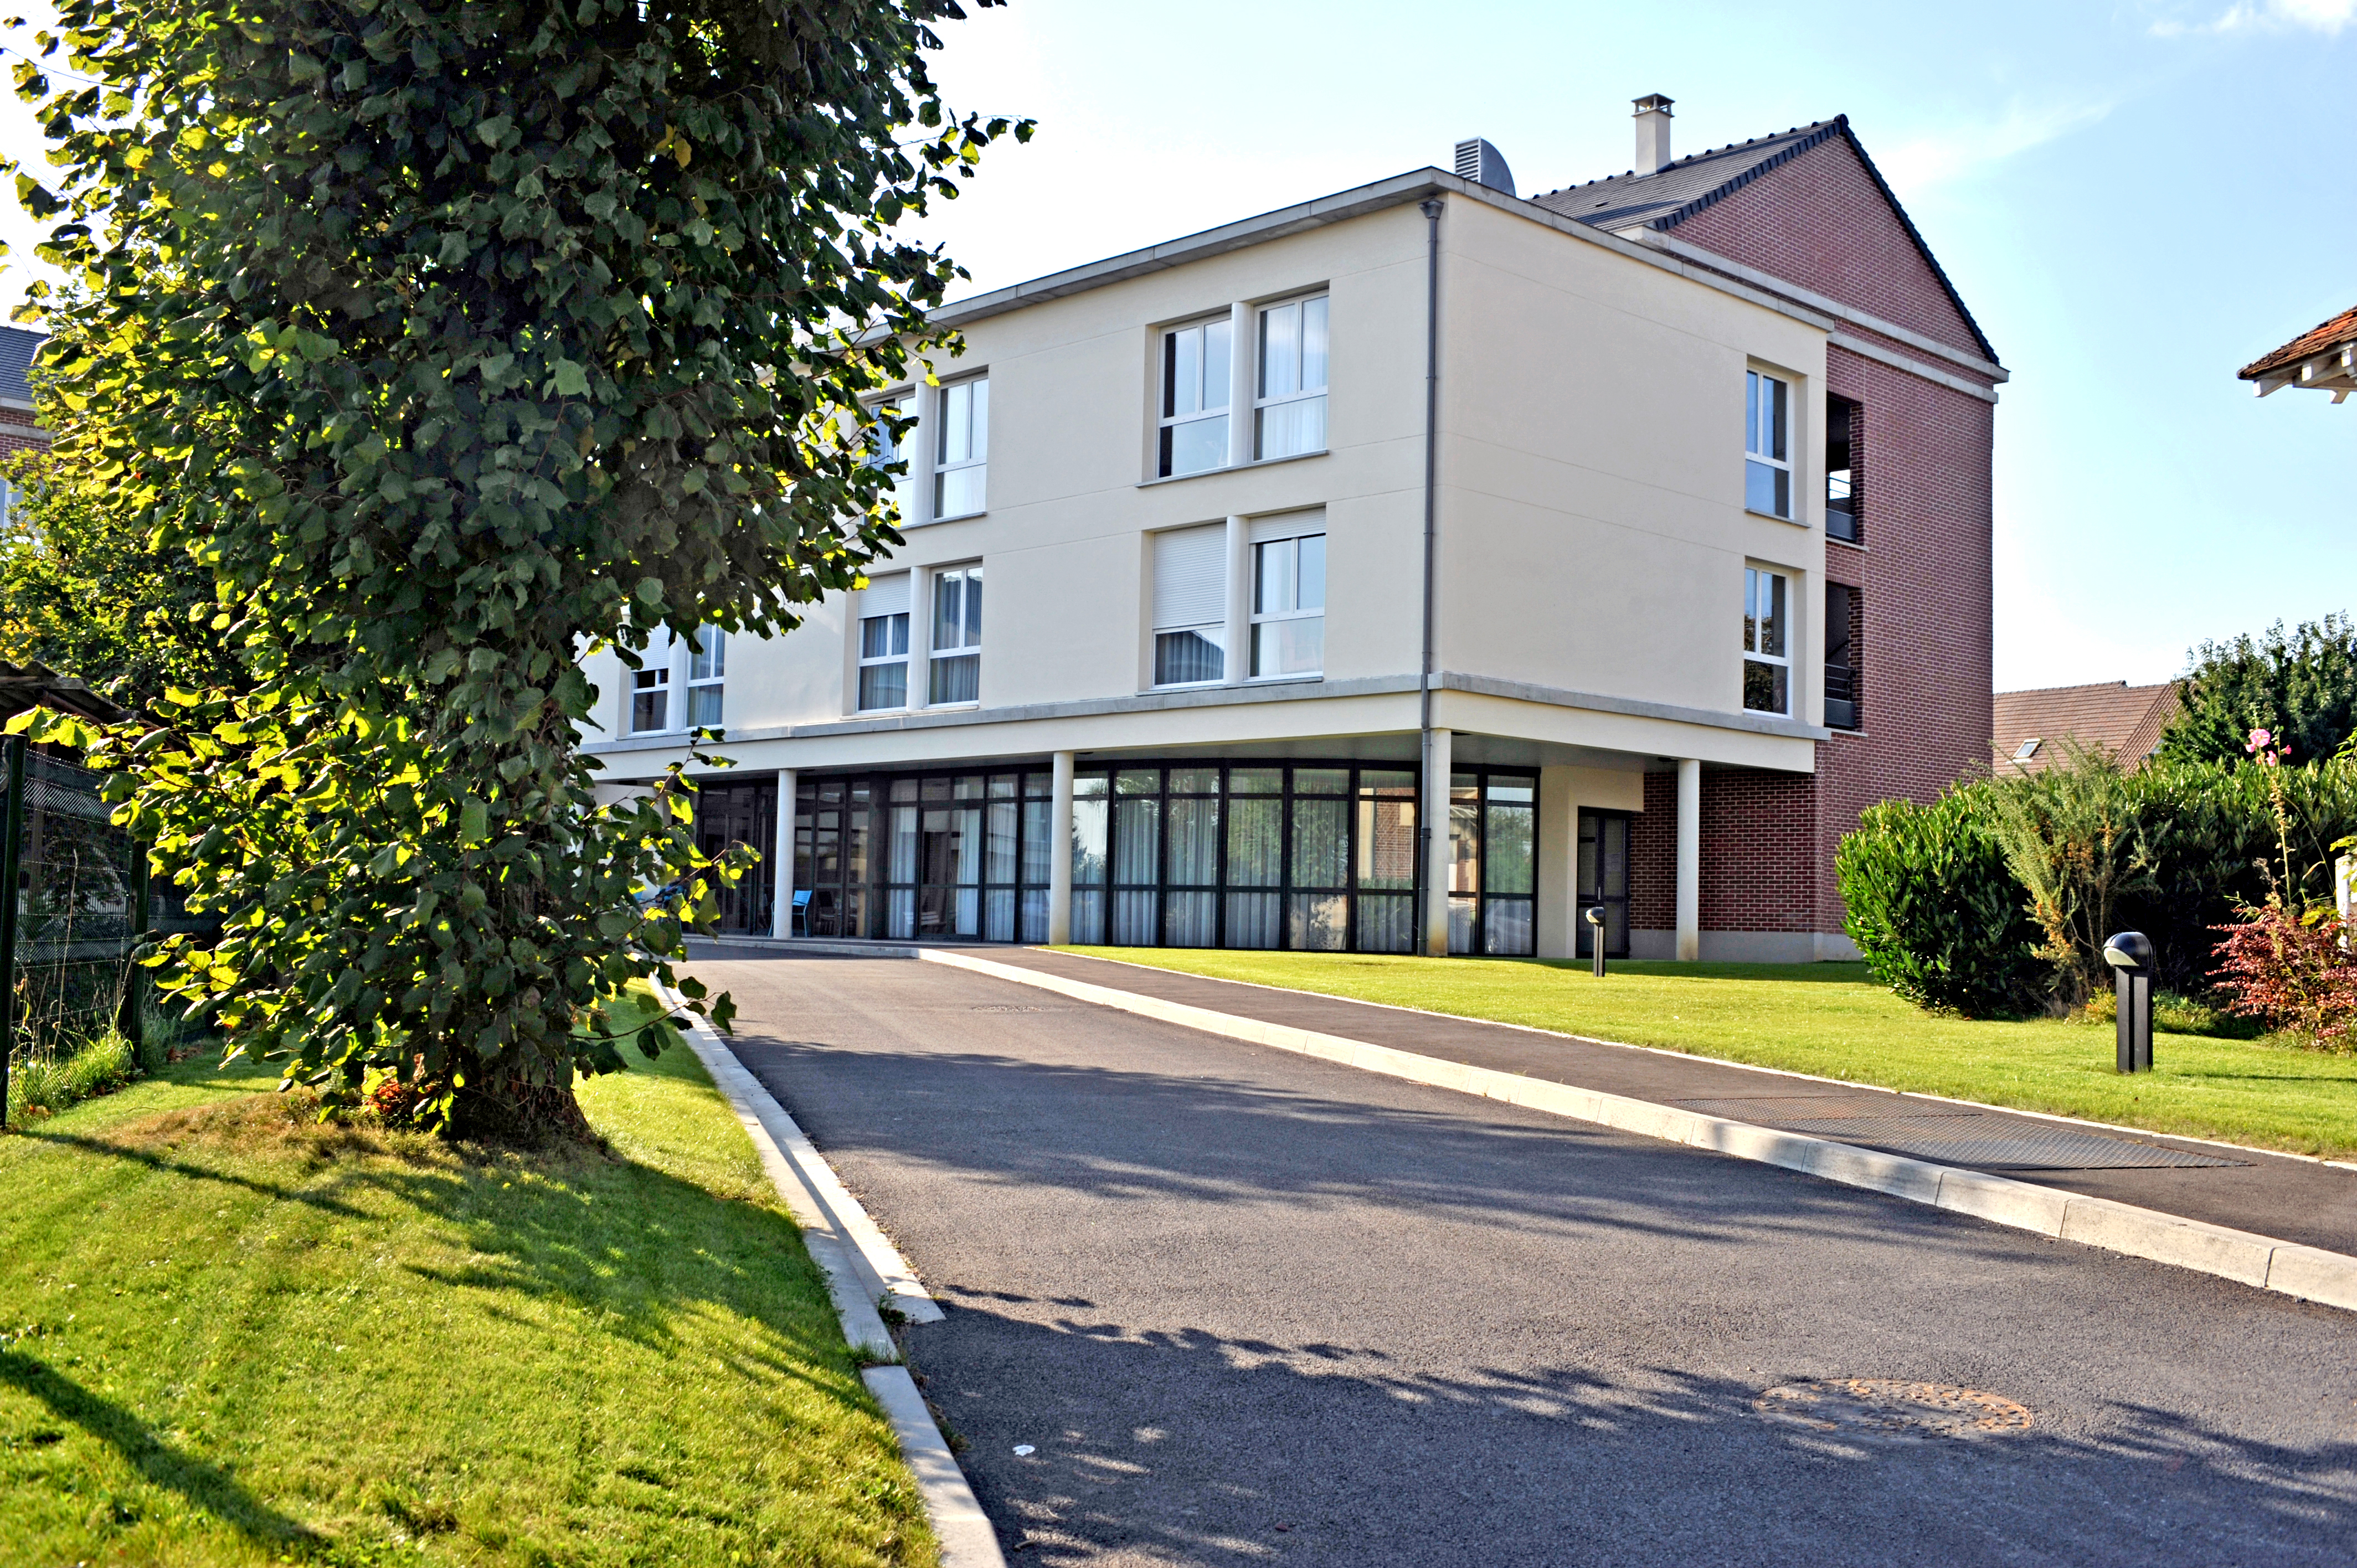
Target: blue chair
[(801, 911)]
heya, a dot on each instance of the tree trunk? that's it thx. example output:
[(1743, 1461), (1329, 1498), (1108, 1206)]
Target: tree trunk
[(513, 1107)]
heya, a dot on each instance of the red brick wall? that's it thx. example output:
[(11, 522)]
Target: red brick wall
[(1922, 645), (19, 434), (1820, 222)]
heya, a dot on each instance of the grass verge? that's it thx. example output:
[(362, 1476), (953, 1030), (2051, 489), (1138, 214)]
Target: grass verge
[(1831, 1020), (229, 1335)]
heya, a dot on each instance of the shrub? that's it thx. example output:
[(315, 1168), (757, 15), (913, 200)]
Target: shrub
[(2291, 971), (2074, 839), (1934, 910)]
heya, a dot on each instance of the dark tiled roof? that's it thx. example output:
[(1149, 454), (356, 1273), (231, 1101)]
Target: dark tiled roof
[(17, 349), (2113, 717), (1671, 194), (2341, 329)]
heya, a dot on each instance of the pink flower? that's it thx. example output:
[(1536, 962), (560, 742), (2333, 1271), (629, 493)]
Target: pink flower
[(2267, 758), (2259, 738)]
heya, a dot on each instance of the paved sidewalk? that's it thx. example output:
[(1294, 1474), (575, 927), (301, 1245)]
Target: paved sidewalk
[(2290, 1199)]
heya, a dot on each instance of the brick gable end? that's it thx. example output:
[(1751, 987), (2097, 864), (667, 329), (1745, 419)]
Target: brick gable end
[(1821, 221)]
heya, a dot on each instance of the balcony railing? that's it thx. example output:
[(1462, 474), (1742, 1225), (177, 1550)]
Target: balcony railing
[(1841, 697)]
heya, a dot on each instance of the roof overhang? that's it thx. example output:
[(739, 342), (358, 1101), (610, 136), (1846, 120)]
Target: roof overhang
[(2334, 371)]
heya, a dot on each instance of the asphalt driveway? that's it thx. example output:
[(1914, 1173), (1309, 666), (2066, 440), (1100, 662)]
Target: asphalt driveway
[(1251, 1307)]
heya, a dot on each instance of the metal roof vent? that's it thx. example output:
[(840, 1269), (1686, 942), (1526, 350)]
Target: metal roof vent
[(1483, 164)]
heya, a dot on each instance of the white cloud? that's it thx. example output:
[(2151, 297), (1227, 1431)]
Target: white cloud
[(1916, 165), (2327, 16)]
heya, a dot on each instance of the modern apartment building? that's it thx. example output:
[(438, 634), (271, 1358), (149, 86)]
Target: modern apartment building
[(1414, 569)]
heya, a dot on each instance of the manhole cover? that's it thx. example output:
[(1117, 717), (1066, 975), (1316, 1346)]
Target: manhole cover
[(1893, 1406)]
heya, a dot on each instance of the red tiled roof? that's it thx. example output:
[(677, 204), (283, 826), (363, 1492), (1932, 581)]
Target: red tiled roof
[(2113, 717), (2341, 329)]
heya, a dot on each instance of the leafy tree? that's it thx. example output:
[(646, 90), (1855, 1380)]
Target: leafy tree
[(2076, 837), (2301, 684), (457, 337), (82, 592)]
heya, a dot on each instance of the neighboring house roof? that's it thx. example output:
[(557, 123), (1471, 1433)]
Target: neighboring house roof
[(1671, 194), (2113, 717), (2324, 357), (17, 349)]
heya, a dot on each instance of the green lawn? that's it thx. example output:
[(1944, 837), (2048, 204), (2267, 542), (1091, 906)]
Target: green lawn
[(230, 1336), (1830, 1019)]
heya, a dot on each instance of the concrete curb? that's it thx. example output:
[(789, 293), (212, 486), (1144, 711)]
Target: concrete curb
[(967, 1538), (2309, 1274)]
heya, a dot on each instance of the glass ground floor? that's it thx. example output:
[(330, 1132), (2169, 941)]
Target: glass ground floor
[(1308, 856)]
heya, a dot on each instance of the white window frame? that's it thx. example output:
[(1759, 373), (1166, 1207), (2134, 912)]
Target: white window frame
[(1757, 580), (967, 579), (1767, 442), (900, 656), (1299, 396), (962, 421), (707, 672), (884, 451), (1214, 631), (1265, 537), (651, 678), (1171, 399)]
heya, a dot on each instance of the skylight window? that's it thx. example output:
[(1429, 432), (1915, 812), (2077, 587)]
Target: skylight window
[(2029, 749)]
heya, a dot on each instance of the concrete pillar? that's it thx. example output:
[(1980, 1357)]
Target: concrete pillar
[(1059, 853), (1689, 858), (1238, 666), (1558, 866), (781, 913), (922, 588), (1438, 855)]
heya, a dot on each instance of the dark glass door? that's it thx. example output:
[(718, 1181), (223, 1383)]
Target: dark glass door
[(729, 814), (1603, 879)]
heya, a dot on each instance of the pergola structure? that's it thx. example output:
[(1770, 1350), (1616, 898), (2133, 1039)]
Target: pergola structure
[(2323, 359)]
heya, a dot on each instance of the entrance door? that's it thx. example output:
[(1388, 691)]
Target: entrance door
[(1603, 879), (747, 813)]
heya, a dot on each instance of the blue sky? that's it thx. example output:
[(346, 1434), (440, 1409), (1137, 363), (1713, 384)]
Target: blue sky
[(2134, 199)]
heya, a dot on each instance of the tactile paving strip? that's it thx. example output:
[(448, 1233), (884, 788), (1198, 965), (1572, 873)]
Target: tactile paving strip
[(1951, 1134)]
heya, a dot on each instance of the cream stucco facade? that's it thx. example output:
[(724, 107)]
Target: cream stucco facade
[(1584, 470)]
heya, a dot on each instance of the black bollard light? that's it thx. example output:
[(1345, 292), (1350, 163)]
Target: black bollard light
[(2130, 956), (1595, 936)]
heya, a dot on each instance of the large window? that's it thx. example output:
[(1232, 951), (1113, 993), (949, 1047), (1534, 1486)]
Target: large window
[(1289, 402), (1766, 638), (884, 643), (1288, 613), (1767, 445), (1194, 431), (957, 635), (961, 452), (1319, 859), (964, 855), (1190, 605), (707, 670)]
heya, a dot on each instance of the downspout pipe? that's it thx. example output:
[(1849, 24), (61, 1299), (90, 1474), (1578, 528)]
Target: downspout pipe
[(1428, 819)]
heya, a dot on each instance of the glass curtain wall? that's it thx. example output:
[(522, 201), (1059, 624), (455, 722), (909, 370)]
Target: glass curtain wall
[(955, 856), (1312, 858)]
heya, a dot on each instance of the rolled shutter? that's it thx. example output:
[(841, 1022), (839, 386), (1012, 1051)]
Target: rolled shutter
[(886, 595), (1190, 577), (1288, 525)]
